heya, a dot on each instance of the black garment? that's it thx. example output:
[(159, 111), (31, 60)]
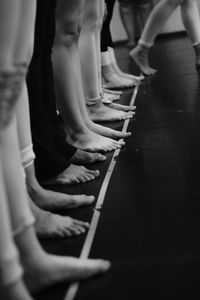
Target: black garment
[(106, 38), (52, 151)]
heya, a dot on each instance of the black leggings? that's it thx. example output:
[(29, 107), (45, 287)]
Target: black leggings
[(106, 38), (49, 140)]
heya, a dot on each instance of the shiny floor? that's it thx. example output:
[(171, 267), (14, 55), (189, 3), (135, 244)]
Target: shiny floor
[(150, 222)]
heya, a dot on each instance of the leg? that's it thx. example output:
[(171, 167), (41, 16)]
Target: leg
[(143, 10), (68, 81), (101, 12), (106, 98), (89, 47), (88, 51), (127, 16), (52, 152), (33, 257), (25, 237), (11, 286), (112, 76), (154, 24), (48, 225), (37, 263), (45, 199), (95, 107), (191, 21)]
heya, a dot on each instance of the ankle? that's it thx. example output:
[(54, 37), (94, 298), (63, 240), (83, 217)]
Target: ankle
[(28, 245), (145, 45), (33, 188), (74, 133)]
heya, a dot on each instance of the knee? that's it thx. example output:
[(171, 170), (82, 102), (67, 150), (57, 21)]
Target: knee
[(91, 21), (11, 83), (68, 32)]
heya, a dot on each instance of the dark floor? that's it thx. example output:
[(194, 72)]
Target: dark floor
[(150, 222)]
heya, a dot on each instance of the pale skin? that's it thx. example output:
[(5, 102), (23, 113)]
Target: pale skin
[(9, 15), (45, 269), (50, 200), (69, 86), (113, 76), (133, 18), (155, 22), (44, 198), (48, 225), (89, 49), (73, 174), (51, 226)]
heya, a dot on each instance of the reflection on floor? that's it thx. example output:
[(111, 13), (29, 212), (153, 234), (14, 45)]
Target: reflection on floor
[(150, 221)]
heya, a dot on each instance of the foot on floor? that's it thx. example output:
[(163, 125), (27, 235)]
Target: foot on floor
[(73, 175)]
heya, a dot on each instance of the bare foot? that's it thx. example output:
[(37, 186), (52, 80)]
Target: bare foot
[(122, 107), (101, 113), (112, 80), (73, 175), (49, 225), (86, 158), (136, 80), (133, 80), (110, 96), (112, 91), (50, 200), (140, 55), (108, 132), (92, 142), (41, 272)]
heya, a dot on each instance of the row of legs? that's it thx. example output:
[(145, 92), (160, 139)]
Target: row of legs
[(20, 250)]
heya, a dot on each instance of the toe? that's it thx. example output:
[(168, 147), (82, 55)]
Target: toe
[(96, 173), (101, 157), (79, 229), (88, 199), (66, 232), (75, 180), (81, 223)]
